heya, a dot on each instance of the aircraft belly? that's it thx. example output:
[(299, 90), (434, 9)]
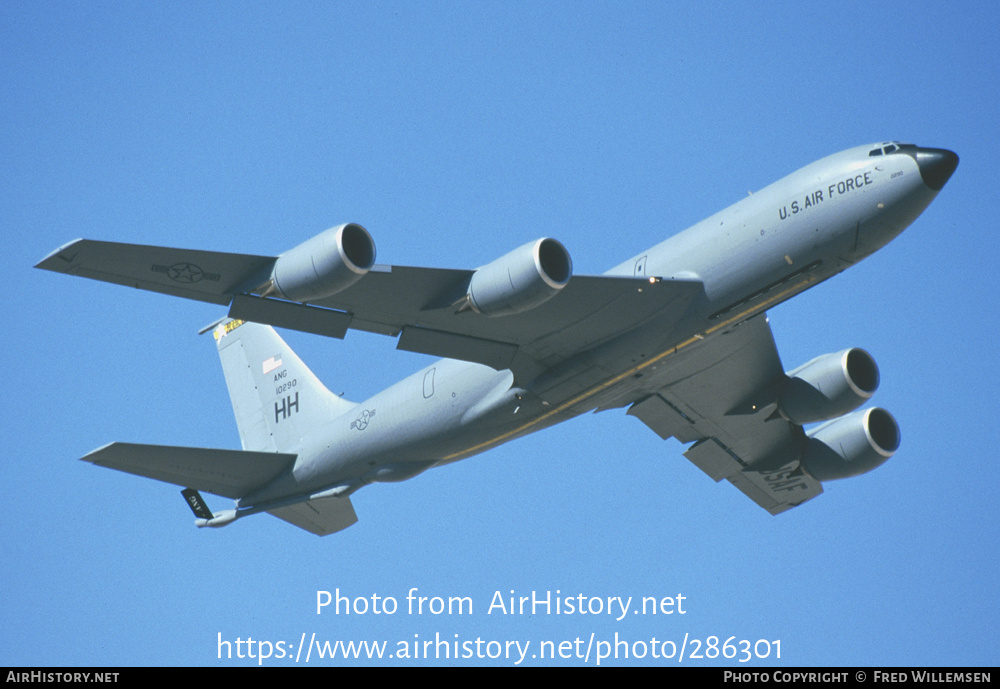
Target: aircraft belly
[(401, 431)]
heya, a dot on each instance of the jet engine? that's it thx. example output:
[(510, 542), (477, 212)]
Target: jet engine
[(521, 280), (319, 267), (851, 445), (828, 386)]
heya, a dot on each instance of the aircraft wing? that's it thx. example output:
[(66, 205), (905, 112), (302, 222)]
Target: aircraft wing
[(407, 302), (417, 305), (229, 473), (723, 397), (210, 276)]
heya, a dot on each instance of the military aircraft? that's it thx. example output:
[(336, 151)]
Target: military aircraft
[(678, 335)]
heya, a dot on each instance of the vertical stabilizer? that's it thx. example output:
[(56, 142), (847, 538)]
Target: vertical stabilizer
[(276, 398)]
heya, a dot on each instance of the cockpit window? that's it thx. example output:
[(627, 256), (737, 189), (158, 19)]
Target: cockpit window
[(889, 147)]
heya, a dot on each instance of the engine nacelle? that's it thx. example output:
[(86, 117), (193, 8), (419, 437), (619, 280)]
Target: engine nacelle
[(851, 445), (324, 265), (521, 280), (829, 386)]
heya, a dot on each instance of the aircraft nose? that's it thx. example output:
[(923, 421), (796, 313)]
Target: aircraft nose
[(936, 166)]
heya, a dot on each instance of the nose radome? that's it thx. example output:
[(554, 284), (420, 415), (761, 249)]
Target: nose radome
[(936, 166)]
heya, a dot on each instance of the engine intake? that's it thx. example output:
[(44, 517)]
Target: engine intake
[(829, 386), (320, 267), (521, 280), (851, 445)]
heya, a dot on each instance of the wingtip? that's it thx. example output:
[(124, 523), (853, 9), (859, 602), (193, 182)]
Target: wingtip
[(92, 455), (55, 260)]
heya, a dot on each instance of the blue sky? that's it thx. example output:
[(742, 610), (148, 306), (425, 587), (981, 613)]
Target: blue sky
[(455, 132)]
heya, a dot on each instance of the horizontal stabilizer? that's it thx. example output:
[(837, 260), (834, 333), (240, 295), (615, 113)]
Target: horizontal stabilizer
[(229, 473), (322, 516)]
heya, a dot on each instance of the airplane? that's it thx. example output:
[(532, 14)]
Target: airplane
[(677, 335)]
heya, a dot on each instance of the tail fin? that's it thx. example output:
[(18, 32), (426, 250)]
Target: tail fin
[(276, 398)]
